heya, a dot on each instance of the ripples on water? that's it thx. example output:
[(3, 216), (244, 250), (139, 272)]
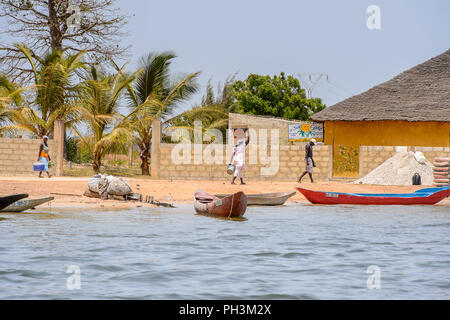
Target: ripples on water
[(291, 252)]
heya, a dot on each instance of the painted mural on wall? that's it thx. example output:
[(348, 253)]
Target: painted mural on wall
[(305, 131)]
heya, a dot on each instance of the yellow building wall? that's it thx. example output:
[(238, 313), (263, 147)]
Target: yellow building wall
[(387, 133)]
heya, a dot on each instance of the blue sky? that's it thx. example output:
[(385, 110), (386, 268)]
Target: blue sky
[(269, 36), (220, 38)]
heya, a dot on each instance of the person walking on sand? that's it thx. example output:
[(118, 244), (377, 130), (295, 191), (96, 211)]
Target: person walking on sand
[(44, 157), (309, 161), (238, 159)]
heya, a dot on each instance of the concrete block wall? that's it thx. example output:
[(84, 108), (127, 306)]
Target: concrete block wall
[(262, 122), (371, 157), (433, 152), (291, 165), (18, 155)]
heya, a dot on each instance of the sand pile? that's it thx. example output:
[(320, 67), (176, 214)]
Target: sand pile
[(399, 170)]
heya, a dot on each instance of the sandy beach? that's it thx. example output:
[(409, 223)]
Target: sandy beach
[(68, 191)]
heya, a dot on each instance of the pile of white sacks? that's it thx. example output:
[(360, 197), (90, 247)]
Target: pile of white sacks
[(399, 170), (106, 187)]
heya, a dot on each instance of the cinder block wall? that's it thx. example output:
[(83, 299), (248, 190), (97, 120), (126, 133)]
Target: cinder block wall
[(291, 165), (371, 157), (263, 122), (433, 152), (18, 155)]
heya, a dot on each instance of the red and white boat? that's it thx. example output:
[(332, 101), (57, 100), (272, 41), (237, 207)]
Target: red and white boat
[(426, 196)]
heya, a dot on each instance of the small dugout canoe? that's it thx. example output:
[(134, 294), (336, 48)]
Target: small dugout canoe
[(265, 199), (232, 206), (23, 205), (7, 200)]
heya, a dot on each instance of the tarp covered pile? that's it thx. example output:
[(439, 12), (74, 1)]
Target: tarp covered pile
[(107, 187)]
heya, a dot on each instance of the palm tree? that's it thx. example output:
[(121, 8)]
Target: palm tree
[(98, 106), (11, 98), (212, 117), (55, 87), (213, 111), (155, 95), (224, 96)]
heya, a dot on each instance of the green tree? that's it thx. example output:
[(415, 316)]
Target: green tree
[(51, 98), (71, 149), (278, 96), (98, 105), (155, 95), (212, 112), (11, 99)]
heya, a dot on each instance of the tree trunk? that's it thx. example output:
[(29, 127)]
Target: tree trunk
[(145, 155), (96, 163), (144, 166), (55, 32), (96, 166)]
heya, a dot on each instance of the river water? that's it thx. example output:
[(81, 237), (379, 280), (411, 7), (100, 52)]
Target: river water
[(290, 252)]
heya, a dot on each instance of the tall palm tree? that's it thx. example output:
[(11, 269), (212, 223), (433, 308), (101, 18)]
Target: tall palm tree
[(155, 95), (98, 105), (55, 87)]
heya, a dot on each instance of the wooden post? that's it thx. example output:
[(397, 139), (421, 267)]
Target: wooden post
[(58, 136), (156, 148)]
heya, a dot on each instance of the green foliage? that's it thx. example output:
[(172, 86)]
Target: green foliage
[(212, 113), (117, 163), (346, 159), (278, 96), (49, 99), (84, 154), (71, 149), (223, 99), (76, 151), (155, 95), (98, 104)]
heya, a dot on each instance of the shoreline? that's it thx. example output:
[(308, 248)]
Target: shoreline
[(68, 191)]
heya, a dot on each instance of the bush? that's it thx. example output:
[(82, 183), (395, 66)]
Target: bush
[(71, 149), (84, 155)]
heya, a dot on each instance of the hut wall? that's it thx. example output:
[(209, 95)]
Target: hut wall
[(387, 133)]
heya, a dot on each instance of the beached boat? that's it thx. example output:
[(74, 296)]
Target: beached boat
[(23, 205), (7, 200), (265, 199), (228, 207), (426, 196)]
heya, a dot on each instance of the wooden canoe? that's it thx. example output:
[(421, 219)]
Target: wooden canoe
[(228, 207), (7, 200), (23, 205), (427, 196), (265, 199)]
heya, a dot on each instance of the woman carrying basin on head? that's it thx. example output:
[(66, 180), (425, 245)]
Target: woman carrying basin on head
[(239, 156), (44, 157)]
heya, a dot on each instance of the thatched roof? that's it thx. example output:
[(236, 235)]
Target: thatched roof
[(421, 93)]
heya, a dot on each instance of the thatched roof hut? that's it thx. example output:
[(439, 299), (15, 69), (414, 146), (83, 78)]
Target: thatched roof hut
[(421, 93)]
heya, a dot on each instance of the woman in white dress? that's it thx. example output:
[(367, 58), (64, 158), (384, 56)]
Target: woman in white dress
[(239, 159)]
